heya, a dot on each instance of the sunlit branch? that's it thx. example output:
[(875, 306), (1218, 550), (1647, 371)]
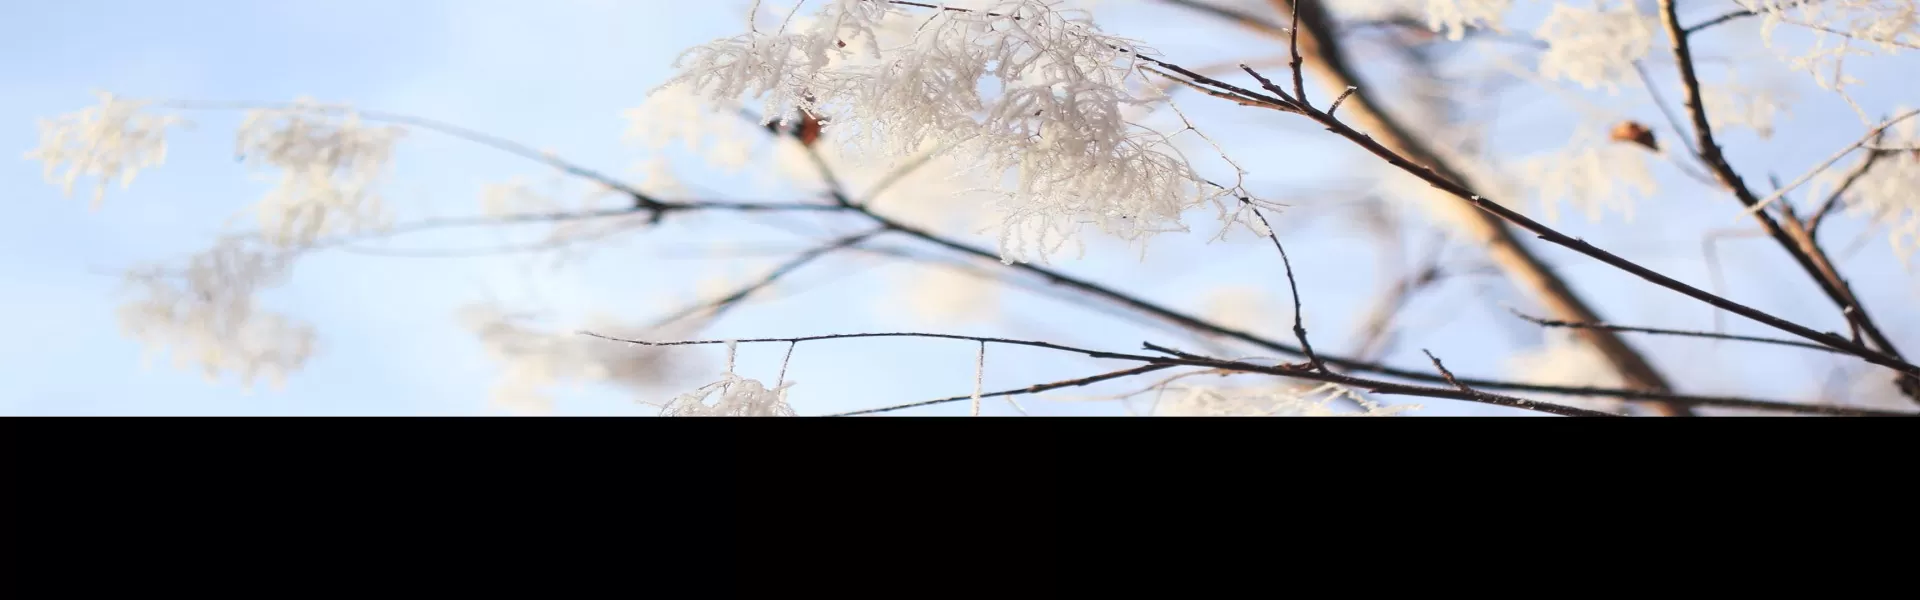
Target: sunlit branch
[(1791, 234)]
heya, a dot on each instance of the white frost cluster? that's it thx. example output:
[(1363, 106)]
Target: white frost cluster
[(1368, 10), (739, 397), (1018, 86), (1594, 175), (206, 315), (109, 142), (1270, 402), (1595, 48), (1731, 104), (1454, 17), (677, 113), (536, 359), (329, 162), (1840, 28)]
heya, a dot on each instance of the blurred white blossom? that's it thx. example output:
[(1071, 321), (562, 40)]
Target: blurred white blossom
[(1370, 10), (515, 196), (535, 359), (205, 315), (1282, 401), (1247, 308), (1840, 28), (1592, 173), (1595, 48), (1732, 104), (1889, 192), (329, 163), (1454, 17), (710, 130), (109, 142), (948, 296)]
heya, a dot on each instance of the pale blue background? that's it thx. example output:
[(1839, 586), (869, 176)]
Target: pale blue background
[(556, 74)]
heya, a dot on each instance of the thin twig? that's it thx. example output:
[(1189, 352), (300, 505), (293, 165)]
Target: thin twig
[(1846, 183), (1343, 98), (1871, 135), (1293, 48), (1032, 389), (1793, 236), (1205, 327), (1444, 372), (1551, 323), (1729, 17), (1380, 387), (1299, 328), (1553, 236), (717, 306), (1320, 42)]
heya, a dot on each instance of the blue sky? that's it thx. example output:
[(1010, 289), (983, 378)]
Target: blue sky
[(556, 75)]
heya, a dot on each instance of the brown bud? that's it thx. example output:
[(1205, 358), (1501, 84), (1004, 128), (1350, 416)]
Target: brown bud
[(1634, 132)]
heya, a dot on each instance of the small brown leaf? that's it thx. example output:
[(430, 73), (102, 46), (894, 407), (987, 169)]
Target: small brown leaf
[(1635, 133), (808, 129)]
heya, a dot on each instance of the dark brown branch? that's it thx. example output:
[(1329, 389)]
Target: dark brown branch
[(1318, 38), (1032, 389), (1794, 236), (720, 305), (647, 204), (1846, 183), (1444, 372), (1201, 326), (1343, 98), (1550, 323), (1381, 387), (1731, 16), (1299, 328), (1551, 235), (1186, 359), (1293, 50)]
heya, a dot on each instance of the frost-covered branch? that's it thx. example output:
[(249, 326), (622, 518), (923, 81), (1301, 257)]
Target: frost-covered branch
[(1023, 122)]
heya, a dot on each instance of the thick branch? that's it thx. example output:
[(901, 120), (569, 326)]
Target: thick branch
[(1324, 57), (1451, 185), (1790, 233)]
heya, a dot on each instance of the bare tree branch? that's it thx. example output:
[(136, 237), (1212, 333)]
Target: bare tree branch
[(1032, 389), (1793, 236), (1325, 57), (1550, 323)]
